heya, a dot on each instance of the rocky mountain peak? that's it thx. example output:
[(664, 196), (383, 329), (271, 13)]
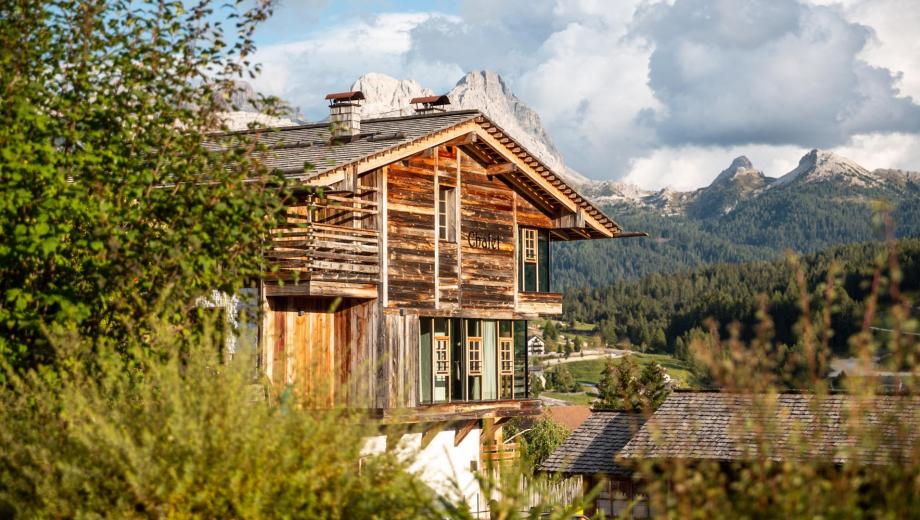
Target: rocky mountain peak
[(820, 165), (386, 96), (741, 162), (740, 169), (485, 80)]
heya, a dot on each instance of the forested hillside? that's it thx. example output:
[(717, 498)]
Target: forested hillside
[(674, 243), (660, 311), (802, 218)]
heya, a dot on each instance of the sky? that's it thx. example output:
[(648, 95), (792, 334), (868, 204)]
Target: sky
[(654, 92)]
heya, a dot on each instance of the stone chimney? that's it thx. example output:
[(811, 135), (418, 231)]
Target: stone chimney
[(344, 113), (429, 104)]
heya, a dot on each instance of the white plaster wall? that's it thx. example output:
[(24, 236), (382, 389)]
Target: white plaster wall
[(441, 465)]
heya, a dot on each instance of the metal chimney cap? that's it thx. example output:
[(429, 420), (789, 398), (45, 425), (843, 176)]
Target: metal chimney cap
[(431, 100), (338, 97)]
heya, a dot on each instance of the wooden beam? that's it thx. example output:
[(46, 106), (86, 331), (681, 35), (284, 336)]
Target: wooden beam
[(464, 430), (431, 432), (465, 139), (477, 154), (528, 193), (486, 135), (502, 168), (570, 220)]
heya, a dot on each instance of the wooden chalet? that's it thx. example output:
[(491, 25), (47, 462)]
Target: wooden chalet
[(405, 286)]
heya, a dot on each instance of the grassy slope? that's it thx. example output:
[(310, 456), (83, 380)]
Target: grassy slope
[(589, 371)]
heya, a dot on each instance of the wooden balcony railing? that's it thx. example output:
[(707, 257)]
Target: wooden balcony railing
[(332, 238), (496, 454)]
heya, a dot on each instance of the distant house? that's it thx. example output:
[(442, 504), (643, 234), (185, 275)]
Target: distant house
[(703, 426), (536, 346)]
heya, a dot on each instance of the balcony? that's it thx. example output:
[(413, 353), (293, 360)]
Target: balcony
[(539, 304), (328, 246)]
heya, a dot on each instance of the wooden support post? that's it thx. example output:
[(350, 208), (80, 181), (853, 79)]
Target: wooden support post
[(431, 432)]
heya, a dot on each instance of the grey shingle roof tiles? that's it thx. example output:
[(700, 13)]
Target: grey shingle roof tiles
[(720, 426), (292, 147), (727, 427), (592, 447)]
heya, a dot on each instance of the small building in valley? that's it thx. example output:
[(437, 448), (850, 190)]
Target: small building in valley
[(414, 253), (536, 346)]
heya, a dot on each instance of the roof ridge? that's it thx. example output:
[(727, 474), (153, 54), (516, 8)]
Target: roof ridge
[(324, 124), (421, 116)]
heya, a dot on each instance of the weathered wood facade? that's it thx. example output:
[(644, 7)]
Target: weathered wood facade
[(406, 281)]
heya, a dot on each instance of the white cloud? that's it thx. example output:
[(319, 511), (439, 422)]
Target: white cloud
[(302, 72), (766, 71), (901, 151), (657, 92), (689, 167), (894, 45)]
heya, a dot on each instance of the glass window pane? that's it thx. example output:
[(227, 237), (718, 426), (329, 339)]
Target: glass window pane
[(530, 277), (457, 361), (544, 261), (504, 329), (424, 371), (520, 359), (489, 360)]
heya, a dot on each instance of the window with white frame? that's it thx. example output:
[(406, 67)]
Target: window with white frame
[(506, 356), (441, 356), (474, 356), (530, 245), (447, 214)]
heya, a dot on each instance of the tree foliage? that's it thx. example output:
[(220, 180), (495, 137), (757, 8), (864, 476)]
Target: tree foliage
[(542, 440), (624, 386), (562, 379), (858, 460), (190, 436), (111, 199)]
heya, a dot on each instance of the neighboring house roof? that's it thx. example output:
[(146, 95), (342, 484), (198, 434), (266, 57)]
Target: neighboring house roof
[(569, 416), (719, 426), (385, 140), (536, 339), (592, 448)]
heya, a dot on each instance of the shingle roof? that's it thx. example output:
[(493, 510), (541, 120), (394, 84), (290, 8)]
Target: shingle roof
[(291, 147), (591, 448), (720, 426)]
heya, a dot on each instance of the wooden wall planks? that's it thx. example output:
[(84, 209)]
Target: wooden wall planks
[(324, 351), (470, 277)]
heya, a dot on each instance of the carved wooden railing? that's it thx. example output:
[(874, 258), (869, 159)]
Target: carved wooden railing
[(330, 238)]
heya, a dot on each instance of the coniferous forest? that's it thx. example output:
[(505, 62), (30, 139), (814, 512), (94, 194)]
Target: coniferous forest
[(660, 312)]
